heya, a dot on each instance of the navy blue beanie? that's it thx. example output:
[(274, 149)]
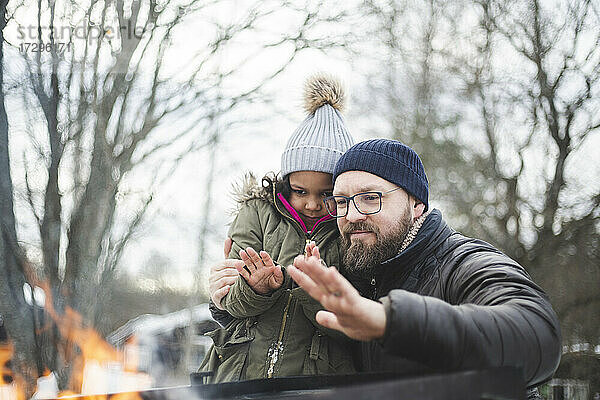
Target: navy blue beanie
[(389, 159)]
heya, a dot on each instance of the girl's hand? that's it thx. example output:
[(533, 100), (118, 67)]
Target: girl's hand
[(260, 271), (311, 249)]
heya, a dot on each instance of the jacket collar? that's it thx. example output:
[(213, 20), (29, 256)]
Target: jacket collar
[(428, 233), (297, 217), (286, 209), (404, 270)]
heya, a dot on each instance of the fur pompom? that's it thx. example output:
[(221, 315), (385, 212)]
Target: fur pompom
[(323, 89)]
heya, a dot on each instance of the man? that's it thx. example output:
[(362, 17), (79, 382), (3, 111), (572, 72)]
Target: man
[(428, 297)]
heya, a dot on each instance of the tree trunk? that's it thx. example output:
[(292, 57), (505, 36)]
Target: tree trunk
[(88, 230), (17, 314)]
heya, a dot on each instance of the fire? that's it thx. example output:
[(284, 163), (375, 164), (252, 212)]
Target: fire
[(9, 388), (131, 354), (93, 347), (6, 352), (97, 370), (101, 368)]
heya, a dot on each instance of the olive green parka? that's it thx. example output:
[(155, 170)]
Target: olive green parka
[(275, 335)]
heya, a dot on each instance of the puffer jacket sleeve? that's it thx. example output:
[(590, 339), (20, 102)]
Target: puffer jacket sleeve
[(242, 301), (246, 231), (221, 316), (491, 315)]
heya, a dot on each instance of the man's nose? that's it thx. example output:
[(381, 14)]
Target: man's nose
[(353, 214)]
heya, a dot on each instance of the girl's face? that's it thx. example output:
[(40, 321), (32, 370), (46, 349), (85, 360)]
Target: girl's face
[(309, 188)]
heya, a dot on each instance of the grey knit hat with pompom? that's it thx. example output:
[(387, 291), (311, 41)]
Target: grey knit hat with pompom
[(321, 139)]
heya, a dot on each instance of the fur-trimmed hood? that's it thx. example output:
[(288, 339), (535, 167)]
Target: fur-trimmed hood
[(249, 188)]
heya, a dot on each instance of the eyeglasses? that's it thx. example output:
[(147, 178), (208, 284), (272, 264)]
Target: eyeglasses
[(366, 203)]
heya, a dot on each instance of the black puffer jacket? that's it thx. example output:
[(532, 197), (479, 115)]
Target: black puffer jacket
[(457, 303)]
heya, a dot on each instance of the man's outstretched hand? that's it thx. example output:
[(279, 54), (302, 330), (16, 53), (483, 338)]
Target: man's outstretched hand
[(223, 275), (347, 311)]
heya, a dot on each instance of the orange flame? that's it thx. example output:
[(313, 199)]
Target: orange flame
[(6, 352), (91, 370), (65, 393), (131, 354), (9, 385)]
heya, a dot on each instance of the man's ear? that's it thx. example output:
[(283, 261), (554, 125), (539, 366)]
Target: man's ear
[(419, 209)]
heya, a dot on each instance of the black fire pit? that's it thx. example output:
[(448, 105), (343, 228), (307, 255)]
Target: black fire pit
[(490, 384)]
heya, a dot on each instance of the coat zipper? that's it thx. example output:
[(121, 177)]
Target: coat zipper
[(278, 346), (312, 233), (274, 356), (374, 285)]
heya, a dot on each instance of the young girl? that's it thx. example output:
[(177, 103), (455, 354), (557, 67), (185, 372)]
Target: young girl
[(274, 332)]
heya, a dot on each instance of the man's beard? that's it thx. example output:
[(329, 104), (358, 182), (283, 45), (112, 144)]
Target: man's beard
[(359, 256)]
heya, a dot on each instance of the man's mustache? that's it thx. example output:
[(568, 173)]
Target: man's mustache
[(359, 226)]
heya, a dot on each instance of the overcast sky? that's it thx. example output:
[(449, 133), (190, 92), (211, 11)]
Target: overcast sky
[(174, 220)]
